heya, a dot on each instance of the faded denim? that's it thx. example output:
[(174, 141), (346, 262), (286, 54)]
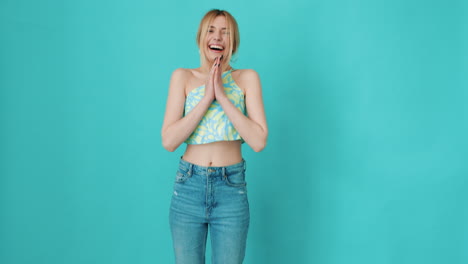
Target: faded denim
[(214, 199)]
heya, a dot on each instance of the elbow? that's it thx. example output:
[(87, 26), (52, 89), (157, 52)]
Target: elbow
[(258, 149), (169, 148), (168, 145), (259, 146)]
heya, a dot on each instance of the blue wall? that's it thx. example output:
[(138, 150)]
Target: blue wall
[(367, 109)]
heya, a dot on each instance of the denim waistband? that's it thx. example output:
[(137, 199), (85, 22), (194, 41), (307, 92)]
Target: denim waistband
[(191, 168)]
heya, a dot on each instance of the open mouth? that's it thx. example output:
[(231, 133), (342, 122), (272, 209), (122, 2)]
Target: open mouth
[(216, 48)]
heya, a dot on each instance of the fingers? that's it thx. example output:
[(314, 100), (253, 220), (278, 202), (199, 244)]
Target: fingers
[(218, 71), (212, 71), (218, 62), (219, 59), (213, 67)]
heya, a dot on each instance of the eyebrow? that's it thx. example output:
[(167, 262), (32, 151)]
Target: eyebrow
[(221, 28)]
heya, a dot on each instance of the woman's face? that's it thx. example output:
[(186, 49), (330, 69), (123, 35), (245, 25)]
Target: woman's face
[(217, 39)]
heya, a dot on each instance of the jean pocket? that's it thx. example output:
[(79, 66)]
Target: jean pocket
[(236, 179)]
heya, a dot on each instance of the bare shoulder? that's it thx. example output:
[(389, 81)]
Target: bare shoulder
[(188, 78), (247, 75), (182, 78), (181, 74), (247, 80)]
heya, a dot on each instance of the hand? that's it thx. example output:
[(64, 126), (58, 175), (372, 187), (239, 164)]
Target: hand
[(209, 85), (218, 81)]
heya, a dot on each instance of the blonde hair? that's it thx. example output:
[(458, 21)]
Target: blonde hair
[(233, 29)]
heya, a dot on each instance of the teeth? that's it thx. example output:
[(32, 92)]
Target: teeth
[(216, 47)]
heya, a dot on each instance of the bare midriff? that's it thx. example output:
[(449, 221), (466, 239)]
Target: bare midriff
[(216, 154)]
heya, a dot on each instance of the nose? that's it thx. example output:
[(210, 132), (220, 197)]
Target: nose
[(217, 36)]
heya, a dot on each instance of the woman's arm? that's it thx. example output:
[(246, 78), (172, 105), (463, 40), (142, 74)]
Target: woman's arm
[(176, 127), (253, 129)]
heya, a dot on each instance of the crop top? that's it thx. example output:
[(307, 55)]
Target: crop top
[(215, 124)]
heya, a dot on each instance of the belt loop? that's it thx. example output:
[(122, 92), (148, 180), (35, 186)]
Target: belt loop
[(245, 165), (190, 169), (224, 171)]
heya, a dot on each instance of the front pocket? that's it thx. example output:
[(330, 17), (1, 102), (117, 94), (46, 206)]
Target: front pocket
[(180, 177), (236, 180)]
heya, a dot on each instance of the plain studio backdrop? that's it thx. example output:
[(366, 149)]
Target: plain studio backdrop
[(366, 101)]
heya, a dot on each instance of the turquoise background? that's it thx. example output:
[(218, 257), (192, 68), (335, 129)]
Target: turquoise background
[(366, 103)]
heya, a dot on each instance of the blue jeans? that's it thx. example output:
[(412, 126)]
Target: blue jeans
[(213, 198)]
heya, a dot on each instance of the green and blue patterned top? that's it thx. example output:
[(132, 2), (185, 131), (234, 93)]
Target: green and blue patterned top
[(215, 125)]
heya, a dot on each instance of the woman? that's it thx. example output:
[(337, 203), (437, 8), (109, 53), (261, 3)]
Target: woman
[(207, 109)]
